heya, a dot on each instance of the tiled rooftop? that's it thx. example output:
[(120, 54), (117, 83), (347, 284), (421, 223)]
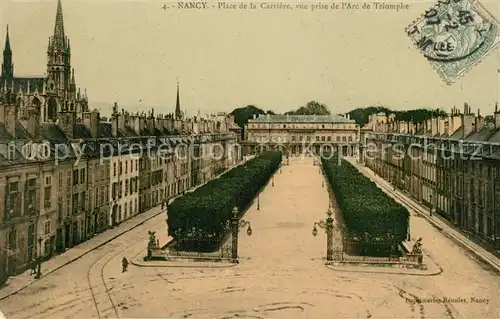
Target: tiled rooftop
[(269, 118)]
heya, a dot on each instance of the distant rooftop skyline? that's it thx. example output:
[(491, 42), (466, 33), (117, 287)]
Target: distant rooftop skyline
[(135, 52)]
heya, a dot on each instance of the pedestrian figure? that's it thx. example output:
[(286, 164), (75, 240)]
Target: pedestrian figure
[(33, 267), (124, 264)]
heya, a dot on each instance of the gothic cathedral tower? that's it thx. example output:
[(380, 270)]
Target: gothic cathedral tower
[(60, 86)]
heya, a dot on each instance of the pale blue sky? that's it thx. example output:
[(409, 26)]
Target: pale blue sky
[(131, 51)]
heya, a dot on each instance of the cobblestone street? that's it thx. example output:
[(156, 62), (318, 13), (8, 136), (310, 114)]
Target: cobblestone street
[(281, 273)]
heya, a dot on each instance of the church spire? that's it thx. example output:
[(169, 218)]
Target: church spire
[(59, 38), (178, 104), (7, 41), (7, 66)]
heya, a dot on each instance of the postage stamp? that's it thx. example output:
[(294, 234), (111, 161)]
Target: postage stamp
[(454, 36)]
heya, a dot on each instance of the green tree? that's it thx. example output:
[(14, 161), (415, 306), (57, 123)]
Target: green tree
[(243, 114), (311, 108), (361, 115)]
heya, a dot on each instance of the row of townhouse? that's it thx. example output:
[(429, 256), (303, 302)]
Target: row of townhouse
[(451, 164), (64, 182), (65, 175)]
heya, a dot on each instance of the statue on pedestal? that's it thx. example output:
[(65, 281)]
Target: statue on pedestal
[(417, 247), (152, 239)]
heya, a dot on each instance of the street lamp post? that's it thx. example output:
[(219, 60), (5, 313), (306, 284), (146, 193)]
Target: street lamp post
[(328, 226), (258, 201), (39, 263), (273, 181), (235, 227)]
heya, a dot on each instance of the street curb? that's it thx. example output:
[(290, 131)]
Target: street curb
[(344, 269), (227, 265), (415, 207), (85, 253)]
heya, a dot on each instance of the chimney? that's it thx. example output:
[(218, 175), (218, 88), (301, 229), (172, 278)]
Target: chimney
[(446, 127), (468, 121), (151, 124), (434, 126), (8, 116), (478, 121), (33, 121), (91, 121), (117, 120), (497, 116), (67, 123)]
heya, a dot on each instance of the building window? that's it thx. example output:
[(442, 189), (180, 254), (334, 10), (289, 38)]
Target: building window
[(12, 198), (114, 191), (60, 180), (68, 178), (48, 180), (31, 200), (48, 227), (126, 167), (114, 169), (75, 177), (338, 138), (83, 202), (126, 186), (82, 176), (293, 138), (130, 209), (344, 138), (350, 138), (317, 138), (47, 194), (68, 205), (322, 138), (97, 203), (75, 203), (329, 138), (120, 168)]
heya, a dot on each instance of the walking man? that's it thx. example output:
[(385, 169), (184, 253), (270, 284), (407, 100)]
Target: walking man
[(124, 264)]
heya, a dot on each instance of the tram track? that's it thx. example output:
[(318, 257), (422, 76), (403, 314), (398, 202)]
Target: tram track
[(93, 288)]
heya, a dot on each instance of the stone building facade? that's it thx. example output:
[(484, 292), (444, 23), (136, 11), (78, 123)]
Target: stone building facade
[(298, 134), (451, 164), (66, 175)]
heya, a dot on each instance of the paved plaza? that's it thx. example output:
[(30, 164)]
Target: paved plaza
[(281, 274)]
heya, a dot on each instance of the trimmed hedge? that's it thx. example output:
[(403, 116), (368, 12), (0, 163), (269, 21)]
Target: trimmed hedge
[(366, 209), (201, 215)]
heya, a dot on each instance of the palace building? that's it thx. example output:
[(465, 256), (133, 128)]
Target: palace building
[(298, 134)]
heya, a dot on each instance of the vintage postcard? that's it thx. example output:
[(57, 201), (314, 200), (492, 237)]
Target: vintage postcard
[(249, 159)]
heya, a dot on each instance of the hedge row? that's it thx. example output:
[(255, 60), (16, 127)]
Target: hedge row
[(203, 213), (364, 206)]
